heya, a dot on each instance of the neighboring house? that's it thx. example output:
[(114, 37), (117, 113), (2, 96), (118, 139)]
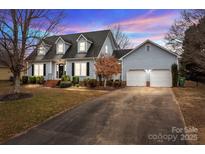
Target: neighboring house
[(5, 72), (148, 64), (72, 54)]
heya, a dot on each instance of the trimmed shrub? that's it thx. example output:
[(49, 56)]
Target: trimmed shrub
[(39, 80), (65, 78), (174, 75), (65, 84), (24, 79), (110, 83), (92, 83), (75, 80), (32, 79), (117, 83), (86, 82)]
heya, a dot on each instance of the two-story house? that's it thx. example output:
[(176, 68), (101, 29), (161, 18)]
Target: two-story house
[(72, 54)]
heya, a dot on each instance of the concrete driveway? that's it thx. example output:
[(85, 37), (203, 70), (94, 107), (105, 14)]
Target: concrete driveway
[(127, 116)]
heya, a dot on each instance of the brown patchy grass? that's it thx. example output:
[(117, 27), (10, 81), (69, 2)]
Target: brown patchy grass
[(19, 115), (192, 103)]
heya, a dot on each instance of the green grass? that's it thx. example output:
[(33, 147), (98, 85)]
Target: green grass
[(19, 115)]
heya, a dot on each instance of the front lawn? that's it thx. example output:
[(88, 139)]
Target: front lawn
[(19, 115), (192, 103)]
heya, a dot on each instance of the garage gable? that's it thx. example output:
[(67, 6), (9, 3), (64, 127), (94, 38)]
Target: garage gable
[(149, 45)]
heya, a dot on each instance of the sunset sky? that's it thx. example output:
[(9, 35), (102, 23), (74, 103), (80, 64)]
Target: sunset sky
[(138, 24)]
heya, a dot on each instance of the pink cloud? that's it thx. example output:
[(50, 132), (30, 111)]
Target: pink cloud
[(72, 28), (147, 23), (155, 38)]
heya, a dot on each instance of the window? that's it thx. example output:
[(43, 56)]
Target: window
[(83, 71), (106, 49), (80, 69), (41, 50), (148, 48), (60, 48), (82, 46), (38, 70)]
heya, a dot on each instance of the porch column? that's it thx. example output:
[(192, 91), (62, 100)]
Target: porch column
[(50, 71), (65, 67)]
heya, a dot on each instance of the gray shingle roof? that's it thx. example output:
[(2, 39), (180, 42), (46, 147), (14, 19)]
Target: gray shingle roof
[(97, 37), (121, 52)]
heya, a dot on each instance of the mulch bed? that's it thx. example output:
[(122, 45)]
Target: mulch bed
[(11, 97), (106, 88)]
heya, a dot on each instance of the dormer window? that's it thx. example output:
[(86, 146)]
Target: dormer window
[(41, 50), (60, 48), (82, 46), (83, 43)]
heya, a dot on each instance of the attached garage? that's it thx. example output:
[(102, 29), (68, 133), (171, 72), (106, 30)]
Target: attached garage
[(136, 78), (149, 64), (160, 78)]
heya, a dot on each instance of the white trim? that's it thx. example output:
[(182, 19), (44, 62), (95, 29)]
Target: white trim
[(81, 35), (81, 70), (45, 44), (62, 40), (50, 67), (122, 70), (58, 40), (151, 42)]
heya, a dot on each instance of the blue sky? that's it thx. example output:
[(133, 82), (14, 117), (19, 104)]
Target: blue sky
[(138, 24)]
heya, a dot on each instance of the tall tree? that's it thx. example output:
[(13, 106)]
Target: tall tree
[(20, 32), (174, 38), (121, 38), (106, 67), (193, 56)]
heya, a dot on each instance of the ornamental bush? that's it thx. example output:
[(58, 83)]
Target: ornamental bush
[(32, 79), (24, 79), (75, 80), (92, 83), (65, 84), (39, 79), (174, 75), (65, 78)]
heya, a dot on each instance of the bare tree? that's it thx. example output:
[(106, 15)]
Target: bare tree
[(20, 32), (121, 38), (174, 38)]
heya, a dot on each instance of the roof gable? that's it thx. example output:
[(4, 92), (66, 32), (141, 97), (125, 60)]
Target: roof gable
[(81, 35), (153, 43)]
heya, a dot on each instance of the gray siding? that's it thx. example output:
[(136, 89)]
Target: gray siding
[(109, 45), (156, 58), (91, 69)]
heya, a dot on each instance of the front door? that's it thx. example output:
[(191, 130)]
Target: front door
[(60, 70)]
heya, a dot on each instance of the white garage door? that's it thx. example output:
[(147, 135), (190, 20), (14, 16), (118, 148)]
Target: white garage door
[(136, 78), (160, 78)]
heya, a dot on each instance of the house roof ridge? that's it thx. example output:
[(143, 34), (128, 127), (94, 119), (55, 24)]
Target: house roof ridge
[(78, 33)]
